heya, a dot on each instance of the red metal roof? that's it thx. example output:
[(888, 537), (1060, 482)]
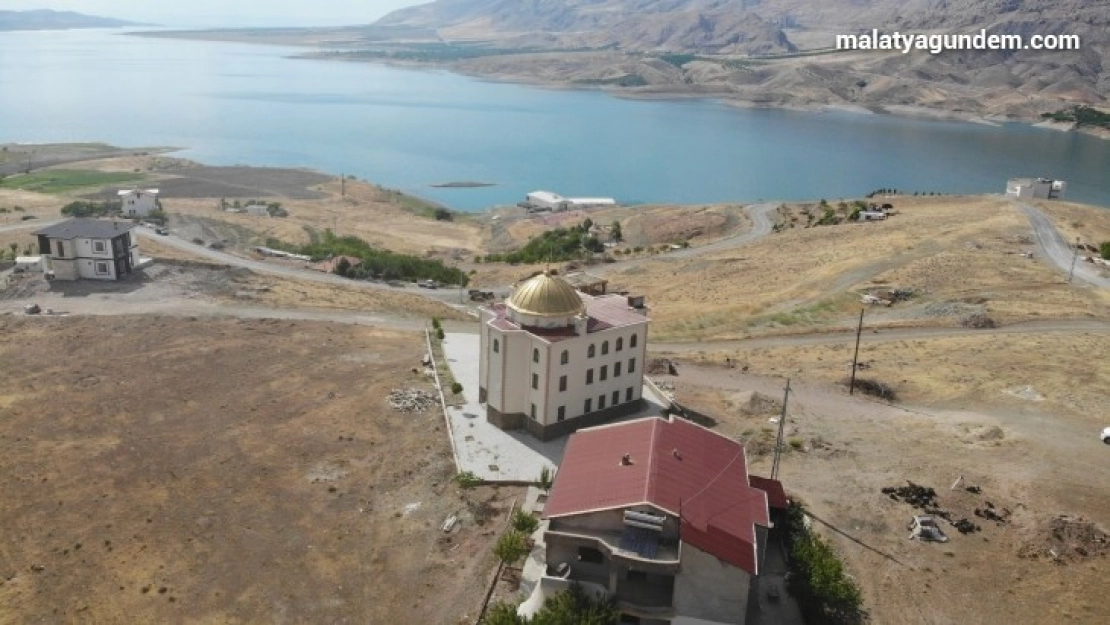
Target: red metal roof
[(776, 496), (676, 466)]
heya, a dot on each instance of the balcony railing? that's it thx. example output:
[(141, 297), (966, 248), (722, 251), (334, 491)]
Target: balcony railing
[(665, 552)]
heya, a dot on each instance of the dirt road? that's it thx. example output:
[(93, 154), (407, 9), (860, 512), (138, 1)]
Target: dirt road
[(448, 296), (1067, 326), (1053, 246), (28, 225), (761, 227)]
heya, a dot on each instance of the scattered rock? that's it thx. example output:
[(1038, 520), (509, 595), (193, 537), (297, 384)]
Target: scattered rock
[(977, 320), (1025, 392), (412, 399)]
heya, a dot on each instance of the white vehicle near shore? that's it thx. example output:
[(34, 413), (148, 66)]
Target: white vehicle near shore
[(1106, 435)]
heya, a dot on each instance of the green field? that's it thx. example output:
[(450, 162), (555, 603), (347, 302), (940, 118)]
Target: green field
[(63, 180)]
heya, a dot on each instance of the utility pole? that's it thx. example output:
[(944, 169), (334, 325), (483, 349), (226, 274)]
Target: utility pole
[(855, 357), (782, 428), (343, 185), (1074, 258)]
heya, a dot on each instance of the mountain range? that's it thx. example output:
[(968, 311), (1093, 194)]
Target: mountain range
[(618, 37), (46, 19)]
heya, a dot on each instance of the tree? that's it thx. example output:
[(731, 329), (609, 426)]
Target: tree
[(615, 231), (825, 592), (524, 522), (587, 224), (573, 606), (343, 267), (502, 613), (511, 546), (546, 479)]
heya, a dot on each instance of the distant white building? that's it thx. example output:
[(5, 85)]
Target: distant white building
[(546, 200), (1036, 188), (138, 202), (554, 359), (93, 249)]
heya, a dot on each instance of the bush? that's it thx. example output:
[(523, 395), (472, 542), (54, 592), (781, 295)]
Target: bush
[(825, 593), (1104, 250), (83, 208), (524, 522), (436, 323), (511, 546), (873, 388), (547, 478), (557, 244), (456, 387), (439, 333), (796, 443), (467, 479), (573, 606), (376, 263)]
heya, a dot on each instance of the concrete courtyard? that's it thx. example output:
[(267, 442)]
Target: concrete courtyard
[(487, 451)]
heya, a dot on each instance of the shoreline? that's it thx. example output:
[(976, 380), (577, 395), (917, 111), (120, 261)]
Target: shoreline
[(716, 93)]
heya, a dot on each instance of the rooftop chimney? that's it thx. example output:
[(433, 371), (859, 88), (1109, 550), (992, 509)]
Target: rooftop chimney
[(626, 460)]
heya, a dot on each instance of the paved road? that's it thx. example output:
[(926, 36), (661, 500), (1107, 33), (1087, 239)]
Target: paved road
[(1056, 249), (895, 334)]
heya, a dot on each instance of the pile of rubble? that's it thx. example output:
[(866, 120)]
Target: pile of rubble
[(925, 498), (917, 496), (977, 320), (1068, 539), (662, 366), (991, 513), (412, 399)]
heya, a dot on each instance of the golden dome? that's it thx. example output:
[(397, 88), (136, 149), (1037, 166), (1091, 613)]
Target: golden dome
[(545, 295)]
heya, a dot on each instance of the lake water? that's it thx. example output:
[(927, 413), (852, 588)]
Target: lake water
[(243, 104)]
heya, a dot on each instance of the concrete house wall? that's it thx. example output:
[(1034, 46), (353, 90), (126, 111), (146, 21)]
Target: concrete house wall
[(138, 202), (710, 589)]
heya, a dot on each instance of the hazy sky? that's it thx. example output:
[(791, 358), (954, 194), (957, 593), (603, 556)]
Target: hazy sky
[(210, 13)]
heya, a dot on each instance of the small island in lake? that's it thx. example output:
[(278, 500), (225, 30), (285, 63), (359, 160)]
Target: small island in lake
[(464, 184)]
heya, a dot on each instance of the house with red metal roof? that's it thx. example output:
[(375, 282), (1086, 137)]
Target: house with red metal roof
[(661, 514)]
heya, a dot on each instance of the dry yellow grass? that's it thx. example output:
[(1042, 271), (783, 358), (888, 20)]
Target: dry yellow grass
[(287, 292), (1092, 227), (300, 294), (949, 248), (1063, 372), (365, 212), (640, 225)]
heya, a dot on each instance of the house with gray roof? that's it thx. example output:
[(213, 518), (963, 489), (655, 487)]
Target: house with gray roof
[(90, 249)]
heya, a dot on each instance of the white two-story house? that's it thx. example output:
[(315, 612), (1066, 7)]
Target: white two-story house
[(138, 202), (93, 249)]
